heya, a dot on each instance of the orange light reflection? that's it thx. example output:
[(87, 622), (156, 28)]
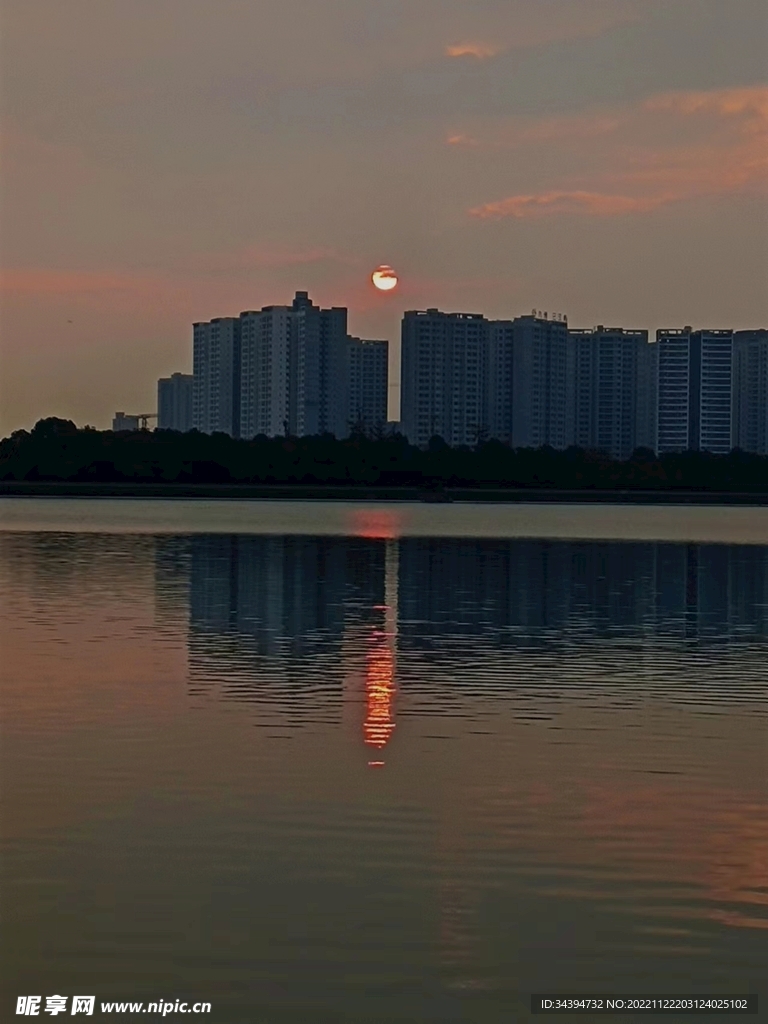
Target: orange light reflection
[(376, 524), (380, 692)]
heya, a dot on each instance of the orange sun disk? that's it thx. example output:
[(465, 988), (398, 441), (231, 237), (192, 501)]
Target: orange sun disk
[(384, 278)]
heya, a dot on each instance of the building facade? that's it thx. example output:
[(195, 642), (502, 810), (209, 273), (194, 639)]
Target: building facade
[(695, 391), (268, 357), (465, 378), (295, 370), (285, 370), (175, 402), (368, 378), (443, 377), (322, 369), (542, 383), (750, 391), (216, 376), (501, 337), (608, 364)]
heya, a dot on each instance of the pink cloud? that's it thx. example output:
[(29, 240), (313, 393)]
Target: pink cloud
[(749, 103), (479, 50), (671, 148), (461, 140), (547, 204)]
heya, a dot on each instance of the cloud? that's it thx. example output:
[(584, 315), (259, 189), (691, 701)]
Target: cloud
[(461, 140), (547, 204), (750, 104), (669, 148), (520, 130), (479, 50), (729, 153)]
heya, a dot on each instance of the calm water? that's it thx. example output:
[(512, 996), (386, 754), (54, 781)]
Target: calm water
[(325, 767)]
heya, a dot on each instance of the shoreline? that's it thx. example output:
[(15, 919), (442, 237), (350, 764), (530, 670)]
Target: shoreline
[(362, 493)]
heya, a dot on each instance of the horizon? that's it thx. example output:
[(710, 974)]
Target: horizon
[(394, 353)]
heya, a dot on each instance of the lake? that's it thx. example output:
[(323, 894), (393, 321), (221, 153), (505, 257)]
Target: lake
[(322, 762)]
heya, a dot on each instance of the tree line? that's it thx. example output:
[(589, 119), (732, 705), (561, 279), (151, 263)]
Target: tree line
[(56, 450)]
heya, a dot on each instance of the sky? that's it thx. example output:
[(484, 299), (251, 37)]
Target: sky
[(167, 161)]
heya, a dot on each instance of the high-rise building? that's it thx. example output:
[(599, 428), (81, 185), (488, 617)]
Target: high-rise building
[(673, 390), (750, 391), (268, 354), (501, 338), (175, 402), (295, 369), (322, 369), (368, 377), (695, 377), (216, 373), (647, 396), (443, 377), (608, 367), (542, 383)]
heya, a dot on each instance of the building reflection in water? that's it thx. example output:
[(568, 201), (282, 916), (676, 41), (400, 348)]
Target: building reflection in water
[(338, 629), (291, 615)]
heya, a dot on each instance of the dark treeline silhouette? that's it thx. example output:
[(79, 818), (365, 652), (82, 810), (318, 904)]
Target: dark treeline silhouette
[(56, 450)]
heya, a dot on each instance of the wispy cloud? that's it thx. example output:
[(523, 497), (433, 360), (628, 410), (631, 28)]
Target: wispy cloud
[(547, 204), (670, 148), (749, 104), (461, 140), (479, 50), (520, 131)]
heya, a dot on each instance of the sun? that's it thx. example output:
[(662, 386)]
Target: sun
[(384, 278)]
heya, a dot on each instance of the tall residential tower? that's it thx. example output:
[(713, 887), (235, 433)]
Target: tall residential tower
[(443, 377), (750, 391), (216, 372), (609, 368), (695, 381), (542, 376), (175, 402), (287, 370)]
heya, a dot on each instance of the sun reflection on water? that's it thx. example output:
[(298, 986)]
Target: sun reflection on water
[(380, 693)]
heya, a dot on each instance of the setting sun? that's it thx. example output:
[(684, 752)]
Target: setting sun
[(384, 278)]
